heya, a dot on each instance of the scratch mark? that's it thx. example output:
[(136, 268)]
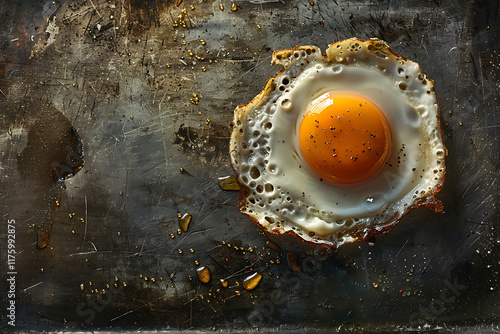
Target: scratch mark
[(86, 253), (403, 246), (128, 312), (95, 8), (86, 222), (30, 287), (366, 272)]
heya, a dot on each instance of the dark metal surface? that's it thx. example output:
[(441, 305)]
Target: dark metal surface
[(121, 76)]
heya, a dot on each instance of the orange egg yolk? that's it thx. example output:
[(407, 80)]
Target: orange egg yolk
[(345, 138)]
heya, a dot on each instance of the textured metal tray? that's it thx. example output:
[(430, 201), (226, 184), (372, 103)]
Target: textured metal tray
[(115, 80)]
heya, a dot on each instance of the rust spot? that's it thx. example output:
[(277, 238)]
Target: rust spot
[(293, 262), (42, 239), (272, 245)]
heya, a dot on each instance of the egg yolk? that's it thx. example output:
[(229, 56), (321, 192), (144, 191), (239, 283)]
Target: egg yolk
[(344, 137)]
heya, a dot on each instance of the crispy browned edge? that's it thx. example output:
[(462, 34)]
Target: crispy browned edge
[(358, 234)]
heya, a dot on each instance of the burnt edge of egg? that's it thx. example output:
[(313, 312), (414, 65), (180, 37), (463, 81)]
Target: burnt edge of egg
[(361, 232)]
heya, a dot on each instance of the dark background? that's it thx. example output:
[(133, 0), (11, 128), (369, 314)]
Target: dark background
[(110, 83)]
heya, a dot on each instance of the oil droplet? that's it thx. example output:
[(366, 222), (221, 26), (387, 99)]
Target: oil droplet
[(228, 183), (196, 262), (221, 7), (252, 281), (180, 251), (192, 7), (42, 239), (195, 99), (204, 274), (272, 245), (172, 235), (224, 283), (179, 231), (191, 250), (184, 221), (81, 286), (203, 42), (234, 7)]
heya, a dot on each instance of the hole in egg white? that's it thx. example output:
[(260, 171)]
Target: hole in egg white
[(286, 104), (254, 172), (374, 203), (272, 168), (269, 188), (423, 111), (270, 220), (337, 69)]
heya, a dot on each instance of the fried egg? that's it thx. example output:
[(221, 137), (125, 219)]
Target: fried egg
[(338, 147)]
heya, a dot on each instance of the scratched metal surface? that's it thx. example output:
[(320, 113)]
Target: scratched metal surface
[(122, 76)]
